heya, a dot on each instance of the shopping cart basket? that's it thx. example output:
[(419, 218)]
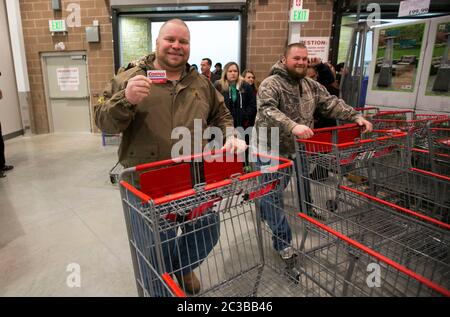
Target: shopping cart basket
[(337, 269), (337, 264), (204, 204), (340, 154), (439, 145), (412, 123), (424, 192)]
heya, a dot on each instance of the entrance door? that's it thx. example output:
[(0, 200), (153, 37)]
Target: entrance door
[(67, 92)]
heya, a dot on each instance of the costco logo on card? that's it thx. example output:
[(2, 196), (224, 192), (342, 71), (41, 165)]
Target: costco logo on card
[(157, 76)]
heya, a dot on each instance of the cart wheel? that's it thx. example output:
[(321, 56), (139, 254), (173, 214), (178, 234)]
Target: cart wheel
[(112, 179)]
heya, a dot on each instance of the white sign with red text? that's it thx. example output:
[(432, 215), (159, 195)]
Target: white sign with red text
[(297, 4), (317, 47)]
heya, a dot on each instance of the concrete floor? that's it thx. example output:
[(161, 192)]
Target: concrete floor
[(57, 207)]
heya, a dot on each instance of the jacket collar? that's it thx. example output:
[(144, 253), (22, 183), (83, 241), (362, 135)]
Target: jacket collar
[(280, 69)]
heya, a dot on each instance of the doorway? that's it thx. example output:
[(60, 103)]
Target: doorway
[(67, 91)]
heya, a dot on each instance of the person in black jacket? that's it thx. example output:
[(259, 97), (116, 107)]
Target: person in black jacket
[(3, 167), (326, 77), (238, 95)]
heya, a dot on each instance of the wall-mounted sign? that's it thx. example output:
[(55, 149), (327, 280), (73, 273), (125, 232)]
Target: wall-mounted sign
[(297, 4), (317, 47), (299, 15), (68, 78), (57, 25), (413, 7)]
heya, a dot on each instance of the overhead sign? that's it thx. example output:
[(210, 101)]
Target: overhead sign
[(57, 25), (301, 15), (413, 7), (317, 47)]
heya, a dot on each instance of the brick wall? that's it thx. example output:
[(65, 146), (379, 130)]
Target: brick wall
[(268, 27), (266, 38), (35, 15)]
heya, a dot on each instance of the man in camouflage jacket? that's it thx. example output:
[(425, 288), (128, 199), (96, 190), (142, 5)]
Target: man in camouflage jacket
[(287, 99)]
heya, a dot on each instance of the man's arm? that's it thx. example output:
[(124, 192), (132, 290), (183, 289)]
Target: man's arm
[(114, 111), (269, 108), (332, 107)]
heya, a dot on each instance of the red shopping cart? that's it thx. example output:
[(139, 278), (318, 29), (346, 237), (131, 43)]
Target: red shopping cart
[(210, 206), (339, 155)]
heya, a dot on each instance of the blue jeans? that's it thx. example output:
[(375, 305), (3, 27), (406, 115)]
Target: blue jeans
[(272, 207), (173, 253)]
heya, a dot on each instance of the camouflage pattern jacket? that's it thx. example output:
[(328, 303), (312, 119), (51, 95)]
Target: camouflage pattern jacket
[(284, 102), (147, 127)]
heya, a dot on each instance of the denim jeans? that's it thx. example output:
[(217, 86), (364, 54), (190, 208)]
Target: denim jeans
[(272, 207), (173, 253)]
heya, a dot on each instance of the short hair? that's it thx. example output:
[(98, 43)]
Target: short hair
[(208, 60), (290, 46), (218, 64), (174, 21)]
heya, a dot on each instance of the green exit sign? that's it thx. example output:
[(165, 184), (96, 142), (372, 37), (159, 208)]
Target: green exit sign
[(57, 25), (301, 15)]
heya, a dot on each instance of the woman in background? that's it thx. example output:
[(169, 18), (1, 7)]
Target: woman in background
[(238, 95), (250, 78)]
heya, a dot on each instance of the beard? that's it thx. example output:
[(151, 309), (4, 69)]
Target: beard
[(297, 73)]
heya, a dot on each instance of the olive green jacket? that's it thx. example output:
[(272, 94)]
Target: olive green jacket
[(147, 127)]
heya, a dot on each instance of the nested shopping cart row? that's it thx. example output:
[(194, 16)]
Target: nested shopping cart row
[(204, 216), (428, 135), (362, 191)]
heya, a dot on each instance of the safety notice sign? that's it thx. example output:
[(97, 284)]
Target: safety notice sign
[(317, 47)]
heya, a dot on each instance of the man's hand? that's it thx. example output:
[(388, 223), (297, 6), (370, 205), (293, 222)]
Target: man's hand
[(363, 122), (302, 131), (235, 145), (138, 88), (313, 62)]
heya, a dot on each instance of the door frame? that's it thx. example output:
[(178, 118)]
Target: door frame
[(43, 57)]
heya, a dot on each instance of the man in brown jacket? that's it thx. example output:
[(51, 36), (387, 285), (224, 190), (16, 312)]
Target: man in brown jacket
[(146, 113)]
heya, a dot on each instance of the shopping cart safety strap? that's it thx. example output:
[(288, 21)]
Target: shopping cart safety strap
[(266, 189), (198, 211), (194, 213)]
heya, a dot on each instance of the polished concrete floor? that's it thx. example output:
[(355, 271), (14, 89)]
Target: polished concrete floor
[(59, 212)]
